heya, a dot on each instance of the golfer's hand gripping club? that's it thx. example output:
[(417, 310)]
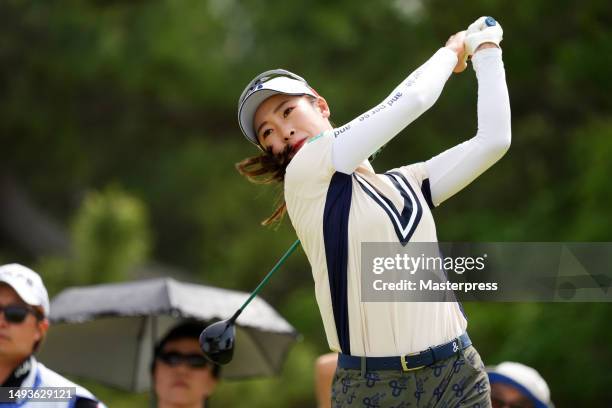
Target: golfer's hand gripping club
[(483, 30), (456, 43)]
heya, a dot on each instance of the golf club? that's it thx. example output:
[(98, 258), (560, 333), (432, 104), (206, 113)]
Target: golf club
[(217, 340)]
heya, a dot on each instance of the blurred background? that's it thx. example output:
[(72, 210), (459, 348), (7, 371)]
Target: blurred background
[(119, 137)]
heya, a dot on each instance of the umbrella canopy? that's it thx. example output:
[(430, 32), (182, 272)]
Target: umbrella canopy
[(107, 332)]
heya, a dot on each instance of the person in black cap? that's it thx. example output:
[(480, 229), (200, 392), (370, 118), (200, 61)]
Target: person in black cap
[(182, 377)]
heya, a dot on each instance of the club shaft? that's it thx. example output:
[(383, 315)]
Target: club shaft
[(278, 264), (265, 280)]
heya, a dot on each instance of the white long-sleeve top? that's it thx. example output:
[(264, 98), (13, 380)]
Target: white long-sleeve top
[(336, 202), (452, 170)]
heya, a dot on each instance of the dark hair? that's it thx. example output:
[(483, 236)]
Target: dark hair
[(185, 330), (269, 168)]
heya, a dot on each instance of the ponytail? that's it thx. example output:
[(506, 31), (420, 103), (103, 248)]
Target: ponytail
[(267, 168)]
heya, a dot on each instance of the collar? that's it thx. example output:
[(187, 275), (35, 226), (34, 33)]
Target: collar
[(20, 373)]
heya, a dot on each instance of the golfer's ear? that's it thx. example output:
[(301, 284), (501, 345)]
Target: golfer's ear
[(323, 107)]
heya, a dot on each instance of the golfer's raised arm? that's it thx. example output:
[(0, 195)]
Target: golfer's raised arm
[(357, 140), (455, 168)]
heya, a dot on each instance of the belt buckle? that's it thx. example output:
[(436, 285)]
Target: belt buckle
[(405, 365)]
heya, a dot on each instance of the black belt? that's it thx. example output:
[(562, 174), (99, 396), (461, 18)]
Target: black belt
[(408, 362)]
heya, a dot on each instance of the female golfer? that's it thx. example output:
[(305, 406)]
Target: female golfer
[(390, 353)]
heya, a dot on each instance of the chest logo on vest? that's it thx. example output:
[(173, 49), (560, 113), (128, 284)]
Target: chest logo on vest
[(406, 221)]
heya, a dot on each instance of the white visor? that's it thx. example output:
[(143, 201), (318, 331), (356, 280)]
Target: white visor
[(262, 91)]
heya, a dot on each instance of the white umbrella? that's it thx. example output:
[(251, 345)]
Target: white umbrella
[(107, 332)]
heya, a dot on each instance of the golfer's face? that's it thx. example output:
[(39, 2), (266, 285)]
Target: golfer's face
[(287, 122), (181, 384), (17, 339)]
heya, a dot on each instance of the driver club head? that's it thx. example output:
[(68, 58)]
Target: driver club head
[(217, 342)]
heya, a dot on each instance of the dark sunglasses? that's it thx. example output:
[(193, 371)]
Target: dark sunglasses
[(192, 360), (18, 313)]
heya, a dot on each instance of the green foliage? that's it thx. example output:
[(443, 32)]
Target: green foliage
[(142, 95), (546, 336), (110, 236)]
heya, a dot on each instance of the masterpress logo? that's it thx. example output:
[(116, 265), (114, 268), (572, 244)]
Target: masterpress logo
[(430, 285), (492, 272)]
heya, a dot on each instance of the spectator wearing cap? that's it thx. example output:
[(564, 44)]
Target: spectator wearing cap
[(182, 376), (515, 385), (24, 312)]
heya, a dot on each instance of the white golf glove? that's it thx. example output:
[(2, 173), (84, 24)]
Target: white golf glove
[(483, 30)]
